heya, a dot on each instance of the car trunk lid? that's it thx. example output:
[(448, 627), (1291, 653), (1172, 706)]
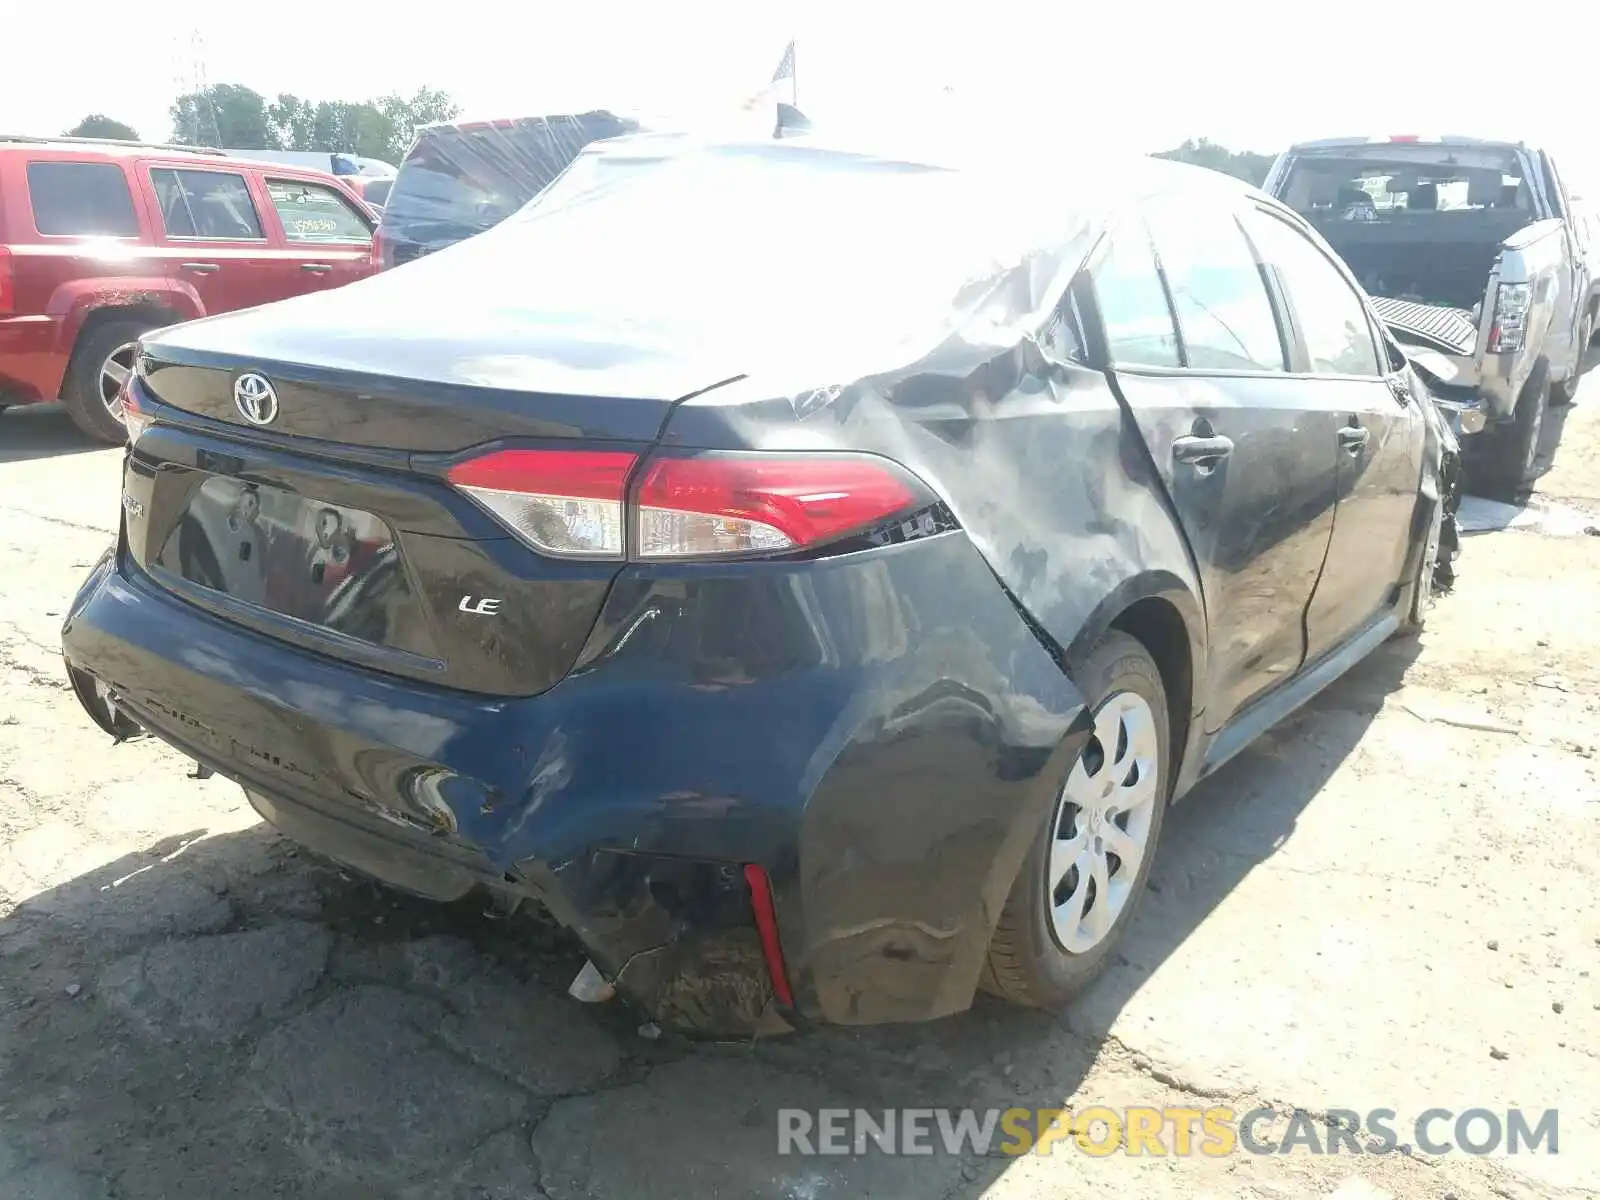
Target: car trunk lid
[(325, 517)]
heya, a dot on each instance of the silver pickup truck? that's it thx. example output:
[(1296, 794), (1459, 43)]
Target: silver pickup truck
[(1469, 251)]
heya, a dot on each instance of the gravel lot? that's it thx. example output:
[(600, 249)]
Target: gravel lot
[(1390, 902)]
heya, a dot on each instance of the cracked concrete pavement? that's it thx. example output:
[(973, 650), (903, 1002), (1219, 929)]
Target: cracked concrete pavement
[(1388, 902)]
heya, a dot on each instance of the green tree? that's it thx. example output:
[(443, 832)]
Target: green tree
[(1242, 164), (225, 115), (98, 125), (381, 128), (423, 107), (292, 121)]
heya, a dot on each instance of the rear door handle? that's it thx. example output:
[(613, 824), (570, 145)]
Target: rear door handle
[(201, 268), (1353, 438), (1202, 451), (316, 268)]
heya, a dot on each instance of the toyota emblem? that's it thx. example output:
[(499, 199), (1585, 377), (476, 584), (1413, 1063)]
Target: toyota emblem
[(255, 399)]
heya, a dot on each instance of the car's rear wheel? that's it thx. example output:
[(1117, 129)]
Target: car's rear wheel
[(1086, 870), (101, 362)]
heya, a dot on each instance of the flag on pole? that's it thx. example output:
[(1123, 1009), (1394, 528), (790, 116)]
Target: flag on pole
[(785, 73), (785, 64)]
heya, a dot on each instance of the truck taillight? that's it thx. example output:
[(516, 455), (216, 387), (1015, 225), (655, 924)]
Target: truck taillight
[(8, 297), (1511, 304), (574, 503)]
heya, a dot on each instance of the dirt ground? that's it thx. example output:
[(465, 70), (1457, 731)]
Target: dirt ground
[(1388, 903)]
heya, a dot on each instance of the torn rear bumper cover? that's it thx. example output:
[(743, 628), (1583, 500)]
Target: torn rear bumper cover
[(887, 785)]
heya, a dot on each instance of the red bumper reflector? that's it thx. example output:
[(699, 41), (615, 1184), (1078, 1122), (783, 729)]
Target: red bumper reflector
[(767, 926)]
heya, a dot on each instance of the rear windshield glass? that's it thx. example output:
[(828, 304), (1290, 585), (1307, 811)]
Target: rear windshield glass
[(1366, 182), (463, 181), (81, 199)]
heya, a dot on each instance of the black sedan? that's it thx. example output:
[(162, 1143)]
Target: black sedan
[(811, 574)]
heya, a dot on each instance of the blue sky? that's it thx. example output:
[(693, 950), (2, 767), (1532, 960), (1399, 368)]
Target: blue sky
[(1144, 75)]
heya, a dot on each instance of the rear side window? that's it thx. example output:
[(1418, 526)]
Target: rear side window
[(1330, 313), (81, 200), (1224, 312), (206, 204), (313, 213), (1133, 304)]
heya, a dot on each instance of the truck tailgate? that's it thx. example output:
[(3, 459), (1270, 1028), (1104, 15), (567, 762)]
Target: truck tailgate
[(1454, 328)]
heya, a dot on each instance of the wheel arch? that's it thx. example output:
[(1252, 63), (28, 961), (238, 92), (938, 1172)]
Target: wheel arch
[(102, 315), (1159, 611)]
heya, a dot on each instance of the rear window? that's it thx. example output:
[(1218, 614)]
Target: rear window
[(81, 200), (457, 182), (1392, 179)]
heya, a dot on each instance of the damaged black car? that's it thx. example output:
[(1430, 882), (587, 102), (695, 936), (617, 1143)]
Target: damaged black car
[(810, 573)]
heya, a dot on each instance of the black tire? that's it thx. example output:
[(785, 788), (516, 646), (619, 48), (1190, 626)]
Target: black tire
[(1508, 457), (1027, 964), (81, 391)]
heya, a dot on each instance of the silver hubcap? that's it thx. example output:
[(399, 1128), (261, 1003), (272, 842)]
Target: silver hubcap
[(114, 373), (1102, 823)]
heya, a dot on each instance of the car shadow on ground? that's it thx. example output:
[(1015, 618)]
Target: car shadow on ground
[(41, 431), (144, 1068)]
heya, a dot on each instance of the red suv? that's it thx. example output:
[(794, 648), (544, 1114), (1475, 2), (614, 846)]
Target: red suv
[(103, 241)]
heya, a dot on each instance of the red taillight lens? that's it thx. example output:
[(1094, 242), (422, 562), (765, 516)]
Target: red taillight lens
[(8, 297), (380, 250), (717, 504), (136, 413), (565, 502), (574, 503)]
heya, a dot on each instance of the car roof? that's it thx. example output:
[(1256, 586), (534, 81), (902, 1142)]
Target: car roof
[(117, 148), (1089, 185), (112, 147), (1344, 143)]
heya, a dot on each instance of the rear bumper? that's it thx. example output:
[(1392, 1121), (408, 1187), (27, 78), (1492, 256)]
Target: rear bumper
[(880, 732), (32, 362)]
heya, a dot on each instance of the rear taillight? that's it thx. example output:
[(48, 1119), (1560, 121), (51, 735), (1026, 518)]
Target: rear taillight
[(574, 503), (136, 412), (1511, 304), (716, 504), (8, 296), (566, 502), (381, 250)]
